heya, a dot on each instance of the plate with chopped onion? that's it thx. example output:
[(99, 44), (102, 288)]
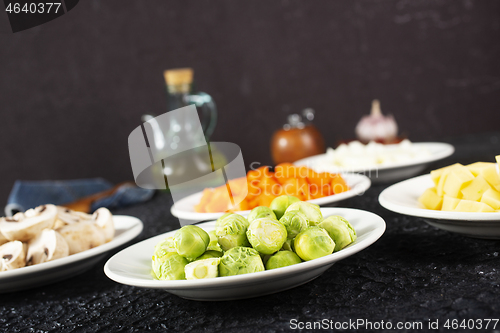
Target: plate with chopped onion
[(380, 162)]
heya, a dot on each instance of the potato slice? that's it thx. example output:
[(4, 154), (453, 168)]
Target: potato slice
[(443, 176), (474, 191), (473, 207), (488, 171), (431, 200), (449, 203), (492, 198), (457, 179), (477, 167), (436, 174)]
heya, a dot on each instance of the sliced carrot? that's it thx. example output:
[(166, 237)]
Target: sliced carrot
[(253, 175), (199, 208), (283, 170), (269, 185), (261, 186), (266, 199), (320, 179), (339, 185), (205, 199), (264, 171), (290, 186), (254, 202), (304, 189), (239, 205), (220, 200), (315, 191), (327, 190), (293, 187), (239, 188), (316, 194)]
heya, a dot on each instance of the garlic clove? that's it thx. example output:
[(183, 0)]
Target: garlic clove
[(376, 126)]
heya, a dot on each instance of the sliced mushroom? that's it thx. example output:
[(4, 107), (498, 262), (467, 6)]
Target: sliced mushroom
[(47, 246), (82, 236), (104, 220), (67, 216), (23, 227), (3, 240), (12, 256)]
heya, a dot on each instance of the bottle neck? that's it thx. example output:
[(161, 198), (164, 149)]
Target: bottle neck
[(181, 89), (177, 95)]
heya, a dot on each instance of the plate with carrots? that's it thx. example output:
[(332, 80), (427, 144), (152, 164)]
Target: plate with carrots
[(261, 186)]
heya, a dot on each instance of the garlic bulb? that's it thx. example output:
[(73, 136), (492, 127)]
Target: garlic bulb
[(376, 126)]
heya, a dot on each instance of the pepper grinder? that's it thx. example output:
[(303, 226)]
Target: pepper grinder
[(298, 139)]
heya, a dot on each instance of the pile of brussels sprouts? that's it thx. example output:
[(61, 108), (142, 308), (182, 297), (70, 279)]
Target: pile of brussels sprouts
[(288, 232)]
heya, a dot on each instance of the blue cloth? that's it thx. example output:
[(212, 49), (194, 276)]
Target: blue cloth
[(30, 194)]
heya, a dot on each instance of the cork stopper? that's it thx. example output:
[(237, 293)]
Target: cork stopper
[(178, 76)]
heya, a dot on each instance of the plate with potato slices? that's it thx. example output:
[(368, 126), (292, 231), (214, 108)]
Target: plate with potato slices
[(186, 207), (133, 266), (456, 203)]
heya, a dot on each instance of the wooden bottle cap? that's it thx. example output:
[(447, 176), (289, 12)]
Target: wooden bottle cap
[(178, 76)]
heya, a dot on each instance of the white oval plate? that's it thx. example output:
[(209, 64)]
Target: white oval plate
[(126, 229), (132, 266), (403, 198), (184, 208), (387, 173)]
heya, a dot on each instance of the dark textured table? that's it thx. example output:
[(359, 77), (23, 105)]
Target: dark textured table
[(413, 273)]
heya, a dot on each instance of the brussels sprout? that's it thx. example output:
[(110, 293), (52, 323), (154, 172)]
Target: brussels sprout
[(222, 218), (231, 231), (282, 259), (265, 258), (165, 246), (312, 243), (287, 245), (340, 230), (311, 211), (214, 243), (260, 212), (281, 203), (294, 223), (266, 235), (210, 254), (240, 260), (202, 269), (169, 267), (191, 241)]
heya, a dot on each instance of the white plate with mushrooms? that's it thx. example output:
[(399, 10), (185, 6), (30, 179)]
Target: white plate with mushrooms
[(48, 244), (132, 266)]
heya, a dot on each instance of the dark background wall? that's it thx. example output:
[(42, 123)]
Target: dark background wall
[(73, 89)]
